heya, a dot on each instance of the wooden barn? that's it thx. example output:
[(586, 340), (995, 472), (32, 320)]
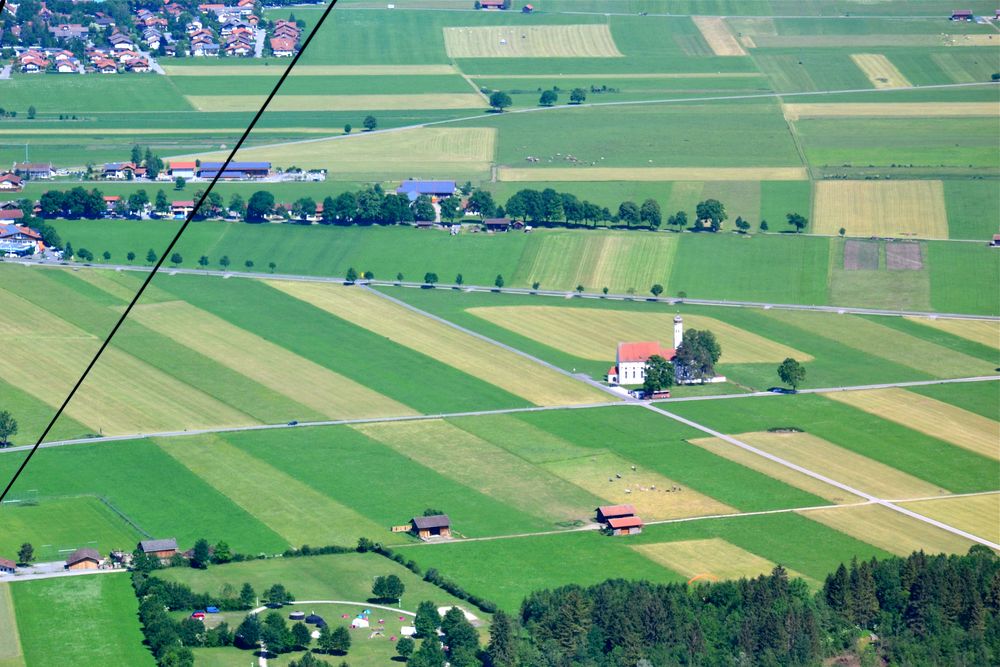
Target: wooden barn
[(606, 512), (619, 519), (83, 559), (162, 549), (425, 527)]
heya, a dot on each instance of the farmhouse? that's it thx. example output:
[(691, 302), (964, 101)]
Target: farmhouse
[(962, 15), (426, 527), (10, 182), (34, 170), (282, 47), (162, 549), (630, 363), (182, 169), (7, 566), (412, 189), (235, 170), (83, 559), (619, 519)]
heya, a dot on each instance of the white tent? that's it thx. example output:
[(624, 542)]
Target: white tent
[(359, 623)]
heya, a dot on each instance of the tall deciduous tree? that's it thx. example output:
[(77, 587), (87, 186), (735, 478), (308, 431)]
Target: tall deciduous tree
[(628, 212), (500, 100), (697, 355), (26, 554), (389, 587), (797, 221), (8, 427), (792, 373), (650, 215), (548, 98), (711, 212), (659, 375)]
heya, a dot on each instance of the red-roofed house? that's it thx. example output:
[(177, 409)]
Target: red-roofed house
[(630, 366), (7, 566), (605, 512), (10, 182), (283, 47), (181, 208), (628, 525), (182, 169)]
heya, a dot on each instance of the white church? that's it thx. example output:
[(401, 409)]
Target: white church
[(630, 362)]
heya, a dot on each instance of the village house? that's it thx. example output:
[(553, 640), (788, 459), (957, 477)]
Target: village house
[(68, 66), (34, 170), (8, 213), (182, 169), (962, 15), (162, 549), (412, 189), (181, 209), (33, 62), (19, 240), (7, 566), (84, 559), (631, 358), (120, 171), (426, 527), (619, 519), (69, 31), (492, 4), (282, 47), (10, 182)]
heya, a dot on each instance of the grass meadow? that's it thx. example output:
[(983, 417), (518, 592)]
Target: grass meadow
[(57, 527)]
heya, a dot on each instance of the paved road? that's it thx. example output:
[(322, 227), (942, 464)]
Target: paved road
[(258, 48), (561, 294), (10, 579)]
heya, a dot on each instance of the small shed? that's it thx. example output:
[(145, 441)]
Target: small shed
[(627, 525), (83, 559), (996, 241), (497, 224), (438, 525), (7, 566), (607, 512), (962, 15)]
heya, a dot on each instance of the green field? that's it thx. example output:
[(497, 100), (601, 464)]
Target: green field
[(59, 620), (58, 526)]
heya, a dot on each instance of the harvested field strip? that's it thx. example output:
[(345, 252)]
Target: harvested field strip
[(463, 148), (979, 515), (307, 70), (521, 438), (337, 102), (881, 208), (284, 372), (624, 75), (776, 470), (478, 358), (652, 174), (538, 41), (618, 261), (980, 331), (880, 71), (882, 341), (10, 642), (935, 418), (590, 333), (890, 530), (490, 470), (891, 110), (861, 255), (711, 559), (841, 464), (112, 283), (294, 510), (23, 318), (717, 34), (652, 494)]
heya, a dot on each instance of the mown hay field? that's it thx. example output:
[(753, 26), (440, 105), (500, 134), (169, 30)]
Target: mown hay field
[(502, 368), (307, 70), (890, 110), (880, 70), (414, 101), (890, 530), (445, 150), (652, 174), (284, 372), (718, 35), (486, 468), (652, 494), (289, 507), (10, 642), (710, 559), (843, 465), (592, 333), (979, 515), (776, 470), (536, 41), (935, 418), (986, 332), (881, 208)]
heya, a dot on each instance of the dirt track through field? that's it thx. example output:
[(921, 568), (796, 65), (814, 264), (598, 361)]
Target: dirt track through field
[(880, 70), (533, 41), (719, 37)]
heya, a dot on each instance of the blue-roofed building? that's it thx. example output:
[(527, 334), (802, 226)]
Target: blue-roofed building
[(235, 170), (434, 189)]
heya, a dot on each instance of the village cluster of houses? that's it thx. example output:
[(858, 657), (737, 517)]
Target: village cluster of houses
[(121, 55)]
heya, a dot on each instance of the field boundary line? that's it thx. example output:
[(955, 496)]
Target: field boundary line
[(823, 478)]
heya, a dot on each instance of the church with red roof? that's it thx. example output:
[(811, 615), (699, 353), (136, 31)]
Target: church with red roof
[(630, 362)]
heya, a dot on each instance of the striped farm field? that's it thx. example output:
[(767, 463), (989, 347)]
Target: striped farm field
[(986, 332), (307, 70), (406, 102), (618, 261), (880, 70), (535, 41), (445, 150), (625, 75), (290, 508), (935, 418), (486, 468), (890, 110), (979, 515), (592, 333), (10, 642), (776, 470), (502, 368), (652, 174), (881, 208), (841, 464), (652, 494), (890, 530), (709, 559), (718, 35), (274, 367)]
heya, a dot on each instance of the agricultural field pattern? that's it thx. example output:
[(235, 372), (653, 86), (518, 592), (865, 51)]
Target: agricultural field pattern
[(295, 398)]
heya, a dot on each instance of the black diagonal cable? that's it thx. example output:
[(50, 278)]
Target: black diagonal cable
[(169, 247)]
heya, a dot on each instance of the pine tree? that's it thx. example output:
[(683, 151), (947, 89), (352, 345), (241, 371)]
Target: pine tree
[(502, 648)]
